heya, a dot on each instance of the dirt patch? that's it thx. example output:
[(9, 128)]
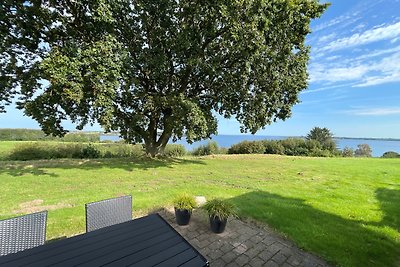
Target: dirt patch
[(36, 205)]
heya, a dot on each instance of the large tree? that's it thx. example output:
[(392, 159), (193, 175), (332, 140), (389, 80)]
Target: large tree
[(155, 70)]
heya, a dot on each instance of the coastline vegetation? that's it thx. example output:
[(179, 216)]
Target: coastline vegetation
[(7, 134)]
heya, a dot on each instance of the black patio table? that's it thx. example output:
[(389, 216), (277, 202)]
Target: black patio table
[(146, 241)]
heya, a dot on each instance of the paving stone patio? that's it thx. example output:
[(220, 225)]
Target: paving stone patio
[(242, 244)]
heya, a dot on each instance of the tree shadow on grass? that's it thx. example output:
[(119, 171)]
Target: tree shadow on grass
[(18, 169), (390, 205), (39, 167), (336, 239)]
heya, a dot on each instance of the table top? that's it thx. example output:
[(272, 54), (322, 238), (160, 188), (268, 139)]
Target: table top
[(146, 241)]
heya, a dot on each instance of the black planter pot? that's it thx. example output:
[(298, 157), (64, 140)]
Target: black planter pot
[(182, 216), (217, 225)]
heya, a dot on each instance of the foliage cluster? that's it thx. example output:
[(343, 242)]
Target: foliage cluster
[(391, 154), (39, 135), (174, 150), (217, 208), (148, 67), (290, 146), (363, 150), (184, 202), (56, 150), (348, 152), (211, 148)]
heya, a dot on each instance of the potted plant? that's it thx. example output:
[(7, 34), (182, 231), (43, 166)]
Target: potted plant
[(218, 212), (184, 204)]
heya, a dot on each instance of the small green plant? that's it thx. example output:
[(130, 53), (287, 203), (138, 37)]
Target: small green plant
[(218, 208), (184, 202)]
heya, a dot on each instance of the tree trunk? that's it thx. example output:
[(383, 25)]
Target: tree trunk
[(153, 146), (152, 149)]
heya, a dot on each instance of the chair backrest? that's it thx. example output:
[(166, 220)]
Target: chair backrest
[(23, 232), (108, 212)]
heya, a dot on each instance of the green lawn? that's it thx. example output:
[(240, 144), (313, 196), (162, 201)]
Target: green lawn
[(6, 147), (345, 210)]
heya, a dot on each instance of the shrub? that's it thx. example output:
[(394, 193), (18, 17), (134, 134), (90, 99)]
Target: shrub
[(209, 149), (391, 154), (295, 147), (118, 150), (89, 152), (56, 150), (347, 152), (247, 147), (320, 153), (174, 150), (38, 135), (45, 150), (312, 145), (363, 150), (273, 147)]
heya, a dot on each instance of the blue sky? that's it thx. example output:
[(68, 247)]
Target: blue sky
[(354, 86)]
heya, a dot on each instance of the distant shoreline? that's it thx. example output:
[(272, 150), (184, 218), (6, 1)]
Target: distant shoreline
[(338, 137)]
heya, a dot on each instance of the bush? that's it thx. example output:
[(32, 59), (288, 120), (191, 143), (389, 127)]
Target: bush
[(320, 153), (209, 149), (391, 154), (347, 152), (56, 150), (89, 152), (45, 150), (247, 147), (119, 150), (363, 150), (174, 150), (273, 147), (295, 147), (38, 135)]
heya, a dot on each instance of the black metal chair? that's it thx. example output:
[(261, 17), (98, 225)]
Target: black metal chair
[(108, 212), (23, 232)]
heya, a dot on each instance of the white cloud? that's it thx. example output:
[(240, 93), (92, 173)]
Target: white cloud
[(394, 40), (332, 58), (362, 72), (319, 72), (391, 31), (379, 53), (324, 88), (375, 80), (385, 111), (327, 38)]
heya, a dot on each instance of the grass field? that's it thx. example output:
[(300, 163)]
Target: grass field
[(345, 210), (6, 147)]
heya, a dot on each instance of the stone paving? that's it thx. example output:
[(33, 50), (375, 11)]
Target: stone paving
[(242, 244)]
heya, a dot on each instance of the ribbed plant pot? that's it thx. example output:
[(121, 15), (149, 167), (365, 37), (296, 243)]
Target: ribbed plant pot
[(217, 225), (182, 216)]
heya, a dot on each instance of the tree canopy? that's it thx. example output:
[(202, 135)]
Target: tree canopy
[(155, 70), (323, 136)]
